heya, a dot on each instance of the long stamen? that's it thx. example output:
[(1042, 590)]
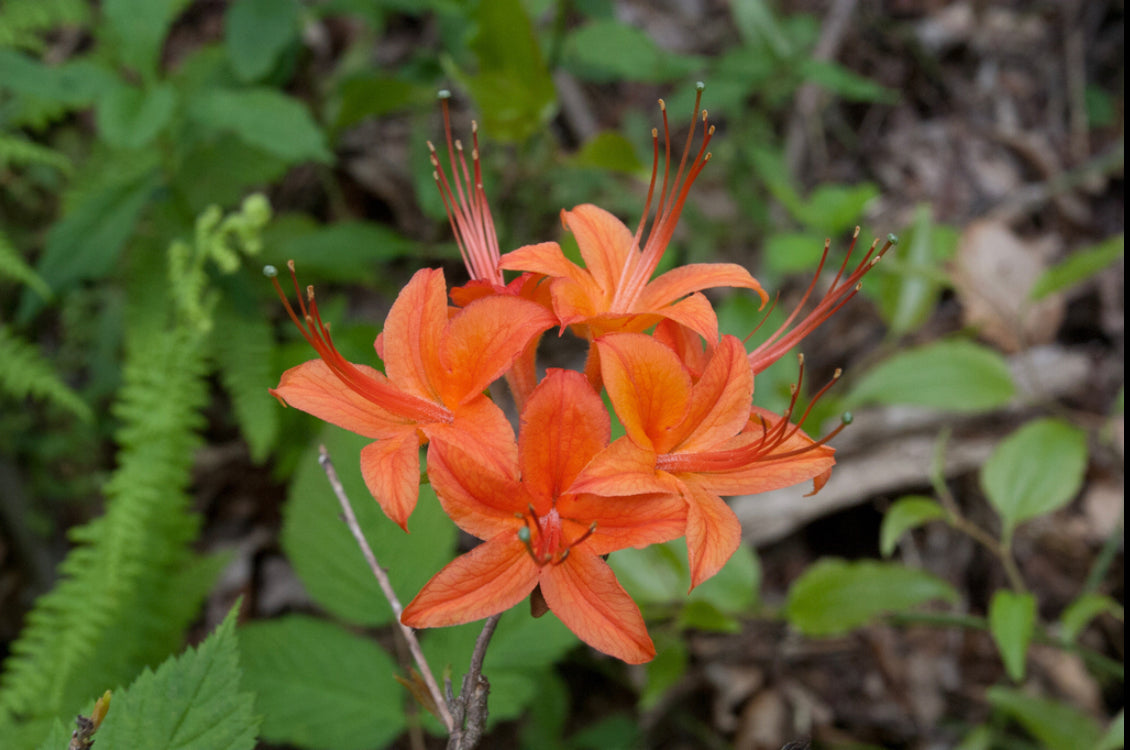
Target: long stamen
[(842, 289), (317, 334)]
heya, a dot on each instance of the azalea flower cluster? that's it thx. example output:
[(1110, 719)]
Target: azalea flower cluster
[(552, 502)]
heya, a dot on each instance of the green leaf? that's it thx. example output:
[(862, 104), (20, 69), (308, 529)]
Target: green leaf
[(703, 615), (265, 119), (906, 513), (191, 702), (370, 95), (512, 87), (325, 555), (135, 31), (1078, 267), (664, 671), (835, 209), (735, 588), (1056, 725), (220, 171), (793, 252), (615, 732), (13, 266), (907, 284), (608, 50), (244, 351), (834, 596), (757, 24), (953, 375), (25, 372), (320, 686), (1035, 470), (659, 575), (845, 83), (1084, 609), (75, 84), (1012, 621), (256, 32), (611, 151), (351, 251), (1115, 736), (131, 117)]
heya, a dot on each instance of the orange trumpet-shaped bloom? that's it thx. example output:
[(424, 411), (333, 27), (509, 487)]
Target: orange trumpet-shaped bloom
[(615, 291), (438, 364), (696, 437), (538, 533)]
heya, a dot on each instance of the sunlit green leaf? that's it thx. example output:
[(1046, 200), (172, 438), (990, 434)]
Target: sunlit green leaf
[(845, 83), (1115, 736), (1078, 267), (905, 514), (131, 117), (135, 31), (264, 118), (908, 282), (952, 375), (1056, 725), (256, 32), (372, 95), (835, 596), (1084, 609), (611, 151), (352, 251), (665, 670), (1012, 621), (610, 50), (1035, 470)]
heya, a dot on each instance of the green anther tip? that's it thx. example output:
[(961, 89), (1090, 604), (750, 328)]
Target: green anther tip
[(700, 86), (847, 417), (524, 534), (893, 239), (443, 94), (270, 272)]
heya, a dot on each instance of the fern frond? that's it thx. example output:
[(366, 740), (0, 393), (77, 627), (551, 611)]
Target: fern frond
[(244, 355), (20, 152), (15, 267), (21, 21), (24, 372)]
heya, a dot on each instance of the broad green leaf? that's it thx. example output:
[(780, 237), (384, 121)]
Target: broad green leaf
[(256, 32), (135, 31), (371, 95), (1035, 470), (704, 615), (263, 118), (131, 117), (192, 702), (352, 251), (1084, 609), (952, 375), (325, 555), (979, 738), (605, 51), (1079, 266), (733, 589), (845, 83), (611, 151), (1115, 736), (512, 86), (615, 732), (75, 84), (835, 596), (320, 686), (665, 670), (1012, 621), (57, 739), (757, 24), (793, 252), (770, 166), (243, 351), (907, 283), (906, 513), (1056, 725), (220, 171), (653, 575), (833, 210)]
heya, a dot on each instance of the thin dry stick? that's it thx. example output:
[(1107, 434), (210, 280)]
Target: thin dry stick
[(471, 706), (386, 587)]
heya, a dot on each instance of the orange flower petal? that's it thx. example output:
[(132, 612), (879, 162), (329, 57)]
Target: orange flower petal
[(574, 301), (482, 341), (480, 498), (481, 430), (564, 425), (605, 244), (696, 313), (545, 258), (489, 579), (646, 383), (636, 521), (623, 468), (713, 533), (679, 282), (720, 400), (412, 333), (584, 594), (313, 388), (391, 469)]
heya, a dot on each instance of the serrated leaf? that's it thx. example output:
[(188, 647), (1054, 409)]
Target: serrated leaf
[(57, 738), (1084, 609), (263, 118), (611, 151), (609, 50), (324, 553), (131, 117), (835, 596), (319, 686), (1012, 621), (1056, 725), (953, 375), (135, 31), (905, 514), (1035, 470), (256, 32), (1078, 267), (192, 702), (25, 372)]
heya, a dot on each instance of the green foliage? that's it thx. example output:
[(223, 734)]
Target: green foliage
[(1083, 610), (256, 32), (262, 118), (1036, 470), (24, 372), (609, 50), (325, 555), (23, 21), (135, 31), (320, 686), (1056, 725), (1012, 621), (1078, 267), (834, 596), (192, 702), (348, 251), (905, 514), (244, 355), (953, 375)]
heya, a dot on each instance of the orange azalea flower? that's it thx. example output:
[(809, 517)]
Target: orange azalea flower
[(438, 365), (615, 291), (537, 533), (698, 438)]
